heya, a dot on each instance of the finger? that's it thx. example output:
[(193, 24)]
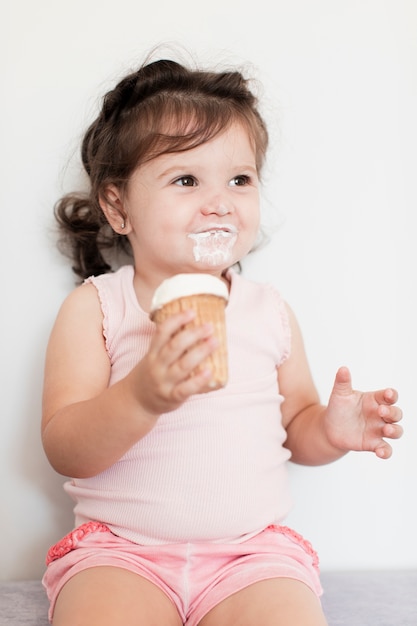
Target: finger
[(383, 451), (183, 344), (343, 381), (187, 363), (390, 414), (174, 337), (386, 396), (192, 385), (171, 326), (392, 431)]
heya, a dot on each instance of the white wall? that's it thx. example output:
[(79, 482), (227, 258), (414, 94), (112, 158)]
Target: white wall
[(339, 80)]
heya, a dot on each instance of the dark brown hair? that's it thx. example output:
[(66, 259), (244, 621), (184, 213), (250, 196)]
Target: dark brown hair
[(163, 107)]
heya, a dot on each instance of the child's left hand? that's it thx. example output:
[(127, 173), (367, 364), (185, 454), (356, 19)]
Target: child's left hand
[(356, 420)]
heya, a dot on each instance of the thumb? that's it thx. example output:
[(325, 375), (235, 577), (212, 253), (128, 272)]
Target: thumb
[(342, 382)]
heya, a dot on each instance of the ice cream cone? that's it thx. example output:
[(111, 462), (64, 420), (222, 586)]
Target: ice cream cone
[(208, 297)]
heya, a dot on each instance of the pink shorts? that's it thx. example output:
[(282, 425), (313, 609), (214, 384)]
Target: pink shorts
[(195, 576)]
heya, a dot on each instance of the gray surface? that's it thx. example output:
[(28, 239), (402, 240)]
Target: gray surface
[(387, 598), (350, 599), (23, 604)]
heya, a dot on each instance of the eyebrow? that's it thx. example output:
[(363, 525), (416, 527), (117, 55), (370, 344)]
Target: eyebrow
[(189, 168)]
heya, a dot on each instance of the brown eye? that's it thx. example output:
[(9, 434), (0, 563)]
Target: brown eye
[(240, 181), (186, 181)]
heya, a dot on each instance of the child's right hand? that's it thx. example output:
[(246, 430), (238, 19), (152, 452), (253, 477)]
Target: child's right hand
[(165, 377)]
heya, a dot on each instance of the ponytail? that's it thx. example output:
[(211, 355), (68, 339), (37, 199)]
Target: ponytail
[(85, 234)]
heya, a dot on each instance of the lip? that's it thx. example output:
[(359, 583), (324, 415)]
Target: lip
[(227, 229)]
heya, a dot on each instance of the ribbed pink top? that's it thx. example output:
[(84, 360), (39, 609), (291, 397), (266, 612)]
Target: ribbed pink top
[(214, 469)]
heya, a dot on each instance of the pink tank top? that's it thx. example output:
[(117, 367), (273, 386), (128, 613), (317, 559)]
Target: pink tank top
[(214, 469)]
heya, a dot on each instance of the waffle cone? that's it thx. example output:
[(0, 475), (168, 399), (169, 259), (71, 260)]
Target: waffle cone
[(209, 308)]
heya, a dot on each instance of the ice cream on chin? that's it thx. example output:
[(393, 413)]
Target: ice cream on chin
[(208, 296), (214, 246)]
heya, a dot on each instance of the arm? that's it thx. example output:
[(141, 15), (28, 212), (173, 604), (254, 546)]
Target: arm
[(352, 420), (87, 425)]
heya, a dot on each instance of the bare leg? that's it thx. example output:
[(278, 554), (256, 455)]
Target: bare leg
[(112, 596), (274, 602)]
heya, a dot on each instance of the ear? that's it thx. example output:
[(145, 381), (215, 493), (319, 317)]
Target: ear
[(111, 203)]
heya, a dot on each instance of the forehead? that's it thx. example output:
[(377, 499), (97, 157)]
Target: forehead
[(233, 140), (231, 148), (183, 129)]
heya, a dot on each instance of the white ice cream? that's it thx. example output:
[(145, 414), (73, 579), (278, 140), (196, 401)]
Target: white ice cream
[(182, 285), (214, 245)]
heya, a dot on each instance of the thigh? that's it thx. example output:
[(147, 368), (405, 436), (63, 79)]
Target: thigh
[(112, 596), (272, 602)]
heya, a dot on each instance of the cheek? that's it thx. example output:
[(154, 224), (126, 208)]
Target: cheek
[(251, 218), (251, 225)]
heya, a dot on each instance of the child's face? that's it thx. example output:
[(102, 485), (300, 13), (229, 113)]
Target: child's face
[(196, 210)]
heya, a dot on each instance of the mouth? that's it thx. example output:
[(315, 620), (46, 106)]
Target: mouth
[(222, 230), (213, 243)]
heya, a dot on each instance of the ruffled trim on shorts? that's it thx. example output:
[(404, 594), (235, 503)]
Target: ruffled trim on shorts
[(70, 541), (304, 543)]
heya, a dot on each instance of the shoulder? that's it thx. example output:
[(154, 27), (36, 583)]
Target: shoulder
[(259, 296), (88, 304), (112, 285), (79, 313), (81, 300), (77, 331), (247, 286), (112, 279)]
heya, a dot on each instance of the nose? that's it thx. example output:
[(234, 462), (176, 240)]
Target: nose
[(216, 206)]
